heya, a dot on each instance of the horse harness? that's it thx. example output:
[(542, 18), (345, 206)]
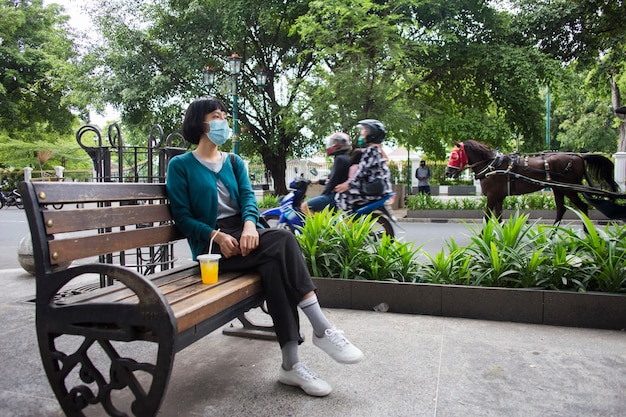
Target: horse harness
[(513, 161)]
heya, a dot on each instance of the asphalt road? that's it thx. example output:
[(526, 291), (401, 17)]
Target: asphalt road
[(13, 227), (432, 237)]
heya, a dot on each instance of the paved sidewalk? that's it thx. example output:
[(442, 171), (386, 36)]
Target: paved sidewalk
[(414, 366)]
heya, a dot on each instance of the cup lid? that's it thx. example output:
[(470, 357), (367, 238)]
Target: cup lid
[(208, 256)]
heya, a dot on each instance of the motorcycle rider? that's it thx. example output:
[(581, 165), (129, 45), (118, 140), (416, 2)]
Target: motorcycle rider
[(338, 144), (373, 179)]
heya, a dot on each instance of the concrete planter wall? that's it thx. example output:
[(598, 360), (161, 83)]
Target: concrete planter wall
[(434, 190), (461, 190), (400, 190), (479, 214), (445, 214), (593, 310)]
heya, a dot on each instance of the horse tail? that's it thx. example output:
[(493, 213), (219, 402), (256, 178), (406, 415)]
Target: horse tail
[(600, 169)]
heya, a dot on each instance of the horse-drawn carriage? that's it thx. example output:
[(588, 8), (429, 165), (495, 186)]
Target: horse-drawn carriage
[(501, 175)]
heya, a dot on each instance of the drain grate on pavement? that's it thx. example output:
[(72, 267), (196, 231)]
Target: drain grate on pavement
[(62, 295)]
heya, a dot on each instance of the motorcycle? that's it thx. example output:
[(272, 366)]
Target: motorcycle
[(289, 215), (14, 198)]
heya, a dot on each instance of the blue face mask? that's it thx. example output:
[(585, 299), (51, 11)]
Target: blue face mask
[(361, 142), (219, 131)]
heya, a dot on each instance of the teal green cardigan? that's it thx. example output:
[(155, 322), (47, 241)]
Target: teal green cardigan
[(192, 192)]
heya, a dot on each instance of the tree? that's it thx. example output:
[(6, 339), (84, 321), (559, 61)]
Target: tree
[(35, 66), (357, 48), (581, 120), (37, 95), (151, 67), (434, 72), (589, 32)]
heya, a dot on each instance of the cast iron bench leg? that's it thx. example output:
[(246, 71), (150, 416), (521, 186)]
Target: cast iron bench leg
[(250, 330), (83, 350)]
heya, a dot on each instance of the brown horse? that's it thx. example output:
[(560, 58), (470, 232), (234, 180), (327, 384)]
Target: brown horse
[(502, 175)]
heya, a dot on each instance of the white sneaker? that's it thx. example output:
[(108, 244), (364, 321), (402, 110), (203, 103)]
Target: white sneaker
[(301, 376), (337, 346)]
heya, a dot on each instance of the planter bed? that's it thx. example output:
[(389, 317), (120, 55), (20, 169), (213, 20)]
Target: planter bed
[(592, 310), (594, 215)]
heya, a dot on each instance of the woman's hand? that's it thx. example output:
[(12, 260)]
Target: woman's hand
[(340, 188), (249, 238), (228, 244)]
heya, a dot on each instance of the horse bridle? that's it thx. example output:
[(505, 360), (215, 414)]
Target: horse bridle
[(492, 164)]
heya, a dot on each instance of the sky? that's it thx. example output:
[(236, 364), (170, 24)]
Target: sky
[(78, 19)]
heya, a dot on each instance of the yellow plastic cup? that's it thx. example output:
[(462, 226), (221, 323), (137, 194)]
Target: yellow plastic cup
[(209, 267)]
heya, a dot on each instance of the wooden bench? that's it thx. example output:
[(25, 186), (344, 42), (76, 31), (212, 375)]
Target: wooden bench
[(166, 311)]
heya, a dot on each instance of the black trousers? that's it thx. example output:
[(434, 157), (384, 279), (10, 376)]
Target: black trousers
[(286, 278)]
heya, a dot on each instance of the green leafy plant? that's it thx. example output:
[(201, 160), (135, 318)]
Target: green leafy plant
[(498, 251), (336, 245), (514, 254), (536, 201), (539, 201), (424, 202), (452, 265), (608, 253), (268, 201)]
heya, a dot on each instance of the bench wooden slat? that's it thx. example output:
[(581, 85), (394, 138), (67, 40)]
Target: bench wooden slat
[(120, 293), (92, 192), (191, 300), (193, 310), (63, 221), (70, 249)]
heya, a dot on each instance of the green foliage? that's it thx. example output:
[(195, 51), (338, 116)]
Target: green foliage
[(424, 202), (36, 72), (516, 254), (581, 120), (513, 254), (537, 201), (499, 253), (64, 152), (268, 201), (151, 67), (339, 246), (451, 265), (433, 72), (396, 175), (588, 36)]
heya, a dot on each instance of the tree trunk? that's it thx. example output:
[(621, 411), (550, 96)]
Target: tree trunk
[(277, 166), (615, 98)]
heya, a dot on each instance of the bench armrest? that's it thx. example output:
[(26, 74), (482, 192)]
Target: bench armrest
[(147, 293)]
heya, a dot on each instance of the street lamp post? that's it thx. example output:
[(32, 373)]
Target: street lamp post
[(208, 75), (261, 79), (234, 63), (548, 118)]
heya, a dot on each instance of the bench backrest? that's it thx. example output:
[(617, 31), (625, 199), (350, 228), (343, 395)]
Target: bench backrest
[(96, 219)]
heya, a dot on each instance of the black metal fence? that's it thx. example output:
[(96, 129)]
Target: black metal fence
[(115, 161)]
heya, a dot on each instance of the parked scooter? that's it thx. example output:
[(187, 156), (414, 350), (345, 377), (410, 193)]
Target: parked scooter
[(14, 198), (288, 215)]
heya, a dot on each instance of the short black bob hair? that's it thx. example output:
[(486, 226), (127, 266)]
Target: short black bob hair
[(193, 124)]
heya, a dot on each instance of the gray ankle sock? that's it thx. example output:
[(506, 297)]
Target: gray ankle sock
[(311, 307), (290, 355)]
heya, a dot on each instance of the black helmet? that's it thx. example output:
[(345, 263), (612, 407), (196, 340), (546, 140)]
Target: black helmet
[(377, 130), (338, 143)]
